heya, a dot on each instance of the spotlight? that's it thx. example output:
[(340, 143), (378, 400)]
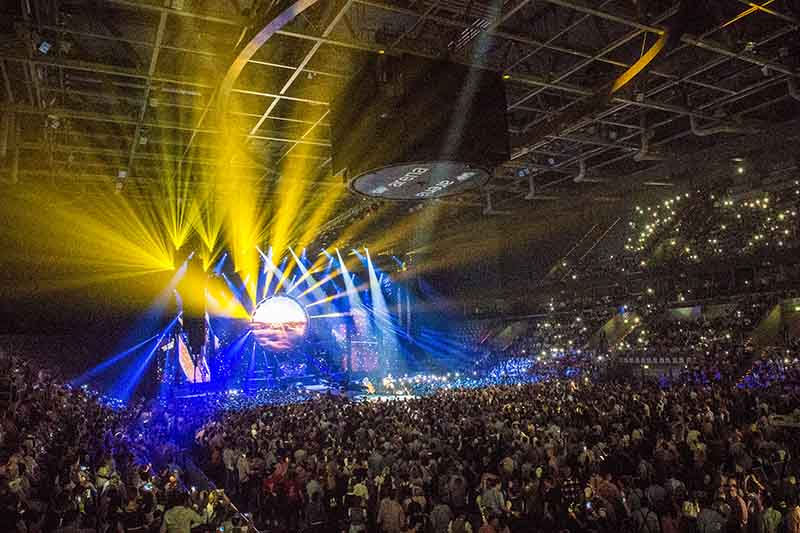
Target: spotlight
[(740, 169)]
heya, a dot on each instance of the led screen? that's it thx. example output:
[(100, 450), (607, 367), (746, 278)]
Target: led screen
[(194, 374), (279, 323)]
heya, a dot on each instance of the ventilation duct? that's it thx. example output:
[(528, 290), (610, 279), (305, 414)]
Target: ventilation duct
[(581, 173), (489, 209), (532, 192), (531, 189), (793, 91), (6, 132), (722, 128), (581, 177), (644, 152)]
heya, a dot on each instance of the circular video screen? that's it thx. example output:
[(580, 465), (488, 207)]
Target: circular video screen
[(279, 323), (420, 181)]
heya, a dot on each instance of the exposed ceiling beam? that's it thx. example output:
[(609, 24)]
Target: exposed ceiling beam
[(653, 92), (121, 154), (163, 103), (122, 119), (91, 140), (602, 149), (139, 5), (521, 39), (104, 68), (688, 39), (79, 177), (199, 51), (151, 69), (771, 11), (583, 64), (309, 55)]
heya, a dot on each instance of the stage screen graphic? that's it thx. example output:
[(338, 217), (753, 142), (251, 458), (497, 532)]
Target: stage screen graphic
[(194, 374), (279, 323), (364, 355)]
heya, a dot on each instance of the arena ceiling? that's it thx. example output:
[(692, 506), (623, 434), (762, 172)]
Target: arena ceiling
[(122, 93)]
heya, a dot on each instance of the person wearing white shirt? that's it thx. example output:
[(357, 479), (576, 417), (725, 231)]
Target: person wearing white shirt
[(243, 469), (229, 459)]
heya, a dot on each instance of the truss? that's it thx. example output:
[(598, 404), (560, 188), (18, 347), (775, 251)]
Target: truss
[(129, 86)]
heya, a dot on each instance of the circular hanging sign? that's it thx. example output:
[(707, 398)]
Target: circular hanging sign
[(420, 181)]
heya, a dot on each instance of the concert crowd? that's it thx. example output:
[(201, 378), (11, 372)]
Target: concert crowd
[(562, 454)]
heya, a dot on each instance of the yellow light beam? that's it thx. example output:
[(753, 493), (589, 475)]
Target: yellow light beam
[(753, 9), (640, 65)]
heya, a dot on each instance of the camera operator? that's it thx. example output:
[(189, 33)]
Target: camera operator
[(219, 510)]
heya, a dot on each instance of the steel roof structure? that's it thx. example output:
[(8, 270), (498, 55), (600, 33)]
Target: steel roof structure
[(99, 92)]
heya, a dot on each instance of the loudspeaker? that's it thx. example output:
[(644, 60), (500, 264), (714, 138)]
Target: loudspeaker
[(413, 128), (195, 329)]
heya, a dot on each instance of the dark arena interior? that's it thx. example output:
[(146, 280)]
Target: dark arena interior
[(400, 266)]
